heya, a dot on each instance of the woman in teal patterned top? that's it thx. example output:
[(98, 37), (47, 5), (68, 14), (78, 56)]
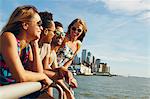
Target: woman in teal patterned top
[(20, 62)]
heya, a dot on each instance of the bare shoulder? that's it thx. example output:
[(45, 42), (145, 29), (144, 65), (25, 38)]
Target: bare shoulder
[(8, 35), (8, 38), (78, 43)]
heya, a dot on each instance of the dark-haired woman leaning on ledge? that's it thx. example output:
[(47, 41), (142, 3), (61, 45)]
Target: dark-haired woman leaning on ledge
[(19, 54), (49, 57)]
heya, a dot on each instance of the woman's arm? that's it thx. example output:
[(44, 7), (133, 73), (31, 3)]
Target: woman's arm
[(55, 63), (68, 63), (12, 59), (35, 59), (45, 60)]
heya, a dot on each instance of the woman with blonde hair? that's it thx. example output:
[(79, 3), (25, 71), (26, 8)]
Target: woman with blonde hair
[(19, 54)]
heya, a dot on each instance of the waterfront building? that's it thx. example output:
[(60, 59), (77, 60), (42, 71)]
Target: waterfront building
[(93, 59), (82, 69), (89, 58), (93, 64), (97, 64), (84, 56), (76, 60), (89, 64), (104, 68)]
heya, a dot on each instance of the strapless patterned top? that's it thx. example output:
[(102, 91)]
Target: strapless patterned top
[(5, 74), (64, 54)]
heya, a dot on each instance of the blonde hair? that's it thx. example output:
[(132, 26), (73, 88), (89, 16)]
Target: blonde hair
[(20, 14)]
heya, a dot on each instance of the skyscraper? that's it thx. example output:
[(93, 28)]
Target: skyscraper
[(76, 60), (89, 58), (97, 64), (84, 56)]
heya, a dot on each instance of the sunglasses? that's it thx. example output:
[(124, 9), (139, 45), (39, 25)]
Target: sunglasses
[(74, 29), (39, 23), (58, 33)]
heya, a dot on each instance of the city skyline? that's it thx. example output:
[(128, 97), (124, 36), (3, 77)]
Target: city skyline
[(118, 30)]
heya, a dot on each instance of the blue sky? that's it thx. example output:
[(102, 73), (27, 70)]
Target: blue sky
[(118, 30)]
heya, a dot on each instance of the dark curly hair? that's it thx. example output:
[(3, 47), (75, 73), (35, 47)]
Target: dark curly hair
[(46, 18), (58, 24)]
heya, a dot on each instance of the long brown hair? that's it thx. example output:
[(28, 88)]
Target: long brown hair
[(84, 28), (20, 14)]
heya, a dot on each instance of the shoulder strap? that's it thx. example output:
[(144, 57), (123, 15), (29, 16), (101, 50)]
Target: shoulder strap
[(18, 45)]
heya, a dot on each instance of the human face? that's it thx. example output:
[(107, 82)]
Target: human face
[(76, 30), (59, 32), (48, 33), (51, 30), (59, 36), (34, 27)]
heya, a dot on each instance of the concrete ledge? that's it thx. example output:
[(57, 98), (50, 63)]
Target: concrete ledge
[(14, 91)]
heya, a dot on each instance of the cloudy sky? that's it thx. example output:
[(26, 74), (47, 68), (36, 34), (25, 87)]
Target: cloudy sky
[(118, 30)]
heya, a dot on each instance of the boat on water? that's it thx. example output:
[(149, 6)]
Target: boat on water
[(102, 74), (72, 70)]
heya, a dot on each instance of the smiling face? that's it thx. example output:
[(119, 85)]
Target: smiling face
[(59, 36), (34, 27), (48, 33), (76, 30)]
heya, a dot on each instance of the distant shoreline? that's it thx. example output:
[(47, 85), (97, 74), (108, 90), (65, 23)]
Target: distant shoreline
[(113, 75)]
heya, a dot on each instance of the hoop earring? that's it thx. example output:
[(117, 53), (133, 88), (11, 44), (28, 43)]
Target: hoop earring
[(45, 32)]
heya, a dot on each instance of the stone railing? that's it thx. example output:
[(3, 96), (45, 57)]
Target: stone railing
[(15, 91)]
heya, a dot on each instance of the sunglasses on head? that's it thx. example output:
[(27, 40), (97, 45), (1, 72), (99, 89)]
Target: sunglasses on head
[(58, 33), (74, 29)]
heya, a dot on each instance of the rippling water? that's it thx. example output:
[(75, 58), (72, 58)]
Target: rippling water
[(117, 87)]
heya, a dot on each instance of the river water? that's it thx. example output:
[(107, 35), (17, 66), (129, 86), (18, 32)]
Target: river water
[(116, 87)]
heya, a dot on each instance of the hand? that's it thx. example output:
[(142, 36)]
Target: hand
[(66, 73), (34, 42), (73, 83), (70, 79), (63, 72), (47, 81)]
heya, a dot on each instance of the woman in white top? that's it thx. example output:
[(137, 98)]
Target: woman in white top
[(48, 55)]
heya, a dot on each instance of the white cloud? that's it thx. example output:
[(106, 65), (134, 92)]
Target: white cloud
[(145, 17), (141, 8), (117, 26), (127, 6)]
